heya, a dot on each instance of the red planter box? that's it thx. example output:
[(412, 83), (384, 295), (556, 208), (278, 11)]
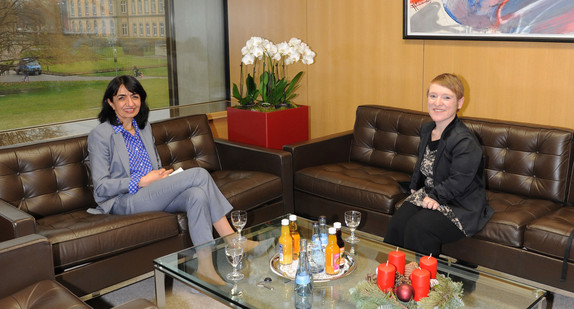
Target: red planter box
[(271, 130)]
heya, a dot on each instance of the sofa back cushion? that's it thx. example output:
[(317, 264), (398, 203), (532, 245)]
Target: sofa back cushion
[(46, 178), (186, 142), (387, 137), (525, 159)]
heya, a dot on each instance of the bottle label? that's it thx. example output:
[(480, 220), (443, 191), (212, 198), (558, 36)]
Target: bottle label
[(302, 279), (336, 262), (281, 258)]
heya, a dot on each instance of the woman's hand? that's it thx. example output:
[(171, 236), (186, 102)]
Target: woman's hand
[(430, 203), (154, 175)]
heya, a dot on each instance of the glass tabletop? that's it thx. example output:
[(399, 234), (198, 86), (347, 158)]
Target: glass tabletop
[(481, 289)]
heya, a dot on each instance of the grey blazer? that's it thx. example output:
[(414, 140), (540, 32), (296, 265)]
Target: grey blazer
[(110, 165)]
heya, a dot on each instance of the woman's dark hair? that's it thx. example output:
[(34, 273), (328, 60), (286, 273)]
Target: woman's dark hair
[(132, 85)]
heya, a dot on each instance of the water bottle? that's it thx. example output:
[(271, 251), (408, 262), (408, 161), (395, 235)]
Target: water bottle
[(323, 231), (317, 258), (303, 281)]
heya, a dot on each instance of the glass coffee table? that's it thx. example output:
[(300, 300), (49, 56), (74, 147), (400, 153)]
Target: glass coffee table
[(481, 288)]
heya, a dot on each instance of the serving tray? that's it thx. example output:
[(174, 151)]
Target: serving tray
[(289, 271)]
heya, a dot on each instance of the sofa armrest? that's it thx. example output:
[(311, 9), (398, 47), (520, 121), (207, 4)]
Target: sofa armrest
[(329, 149), (24, 261), (239, 156), (15, 222)]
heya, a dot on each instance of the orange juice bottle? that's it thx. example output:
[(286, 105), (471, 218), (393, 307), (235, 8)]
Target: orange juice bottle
[(295, 236), (285, 244), (332, 253)]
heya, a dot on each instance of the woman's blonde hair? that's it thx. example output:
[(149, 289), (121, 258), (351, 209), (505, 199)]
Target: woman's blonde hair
[(451, 82)]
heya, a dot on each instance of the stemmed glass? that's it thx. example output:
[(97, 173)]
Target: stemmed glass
[(352, 219), (239, 219), (234, 254)]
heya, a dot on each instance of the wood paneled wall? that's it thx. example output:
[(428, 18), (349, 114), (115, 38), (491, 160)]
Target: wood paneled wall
[(363, 59)]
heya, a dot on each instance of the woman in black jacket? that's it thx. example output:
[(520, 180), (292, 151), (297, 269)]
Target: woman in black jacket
[(448, 198)]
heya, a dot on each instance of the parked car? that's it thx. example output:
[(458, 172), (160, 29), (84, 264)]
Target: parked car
[(30, 64)]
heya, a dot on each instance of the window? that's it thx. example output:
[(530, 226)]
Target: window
[(95, 52), (140, 10), (146, 6)]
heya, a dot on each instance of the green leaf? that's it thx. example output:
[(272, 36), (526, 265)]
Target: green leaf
[(292, 86), (236, 92)]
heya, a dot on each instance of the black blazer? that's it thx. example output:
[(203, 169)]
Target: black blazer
[(458, 174)]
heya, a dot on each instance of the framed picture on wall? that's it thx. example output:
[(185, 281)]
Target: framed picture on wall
[(508, 20)]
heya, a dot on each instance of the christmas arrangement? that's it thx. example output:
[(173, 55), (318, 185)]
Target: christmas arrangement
[(371, 293)]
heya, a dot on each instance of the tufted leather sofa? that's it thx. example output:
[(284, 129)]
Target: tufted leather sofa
[(45, 188), (26, 264), (529, 185)]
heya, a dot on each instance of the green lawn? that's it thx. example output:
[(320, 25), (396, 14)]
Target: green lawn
[(35, 103)]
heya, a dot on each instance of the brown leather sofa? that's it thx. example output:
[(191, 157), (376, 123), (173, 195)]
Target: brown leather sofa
[(45, 188), (28, 278), (529, 185)]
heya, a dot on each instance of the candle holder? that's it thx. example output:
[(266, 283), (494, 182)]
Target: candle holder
[(449, 295)]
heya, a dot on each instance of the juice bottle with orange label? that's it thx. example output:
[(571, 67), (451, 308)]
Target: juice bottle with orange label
[(294, 235), (332, 254), (285, 244)]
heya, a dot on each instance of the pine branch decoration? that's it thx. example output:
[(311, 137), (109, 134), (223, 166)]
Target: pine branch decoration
[(446, 294)]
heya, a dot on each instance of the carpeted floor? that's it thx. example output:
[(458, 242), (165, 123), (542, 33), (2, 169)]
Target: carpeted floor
[(180, 296)]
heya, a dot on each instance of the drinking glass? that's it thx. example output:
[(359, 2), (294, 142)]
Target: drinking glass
[(239, 219), (352, 219), (234, 254)]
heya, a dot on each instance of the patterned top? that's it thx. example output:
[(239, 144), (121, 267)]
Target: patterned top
[(140, 163), (427, 170)]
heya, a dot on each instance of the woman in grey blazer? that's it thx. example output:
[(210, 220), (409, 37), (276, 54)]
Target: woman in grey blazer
[(128, 178)]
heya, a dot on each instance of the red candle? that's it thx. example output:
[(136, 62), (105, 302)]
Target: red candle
[(386, 276), (397, 258), (421, 283), (429, 263)]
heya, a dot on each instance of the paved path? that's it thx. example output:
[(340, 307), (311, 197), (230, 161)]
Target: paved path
[(12, 77)]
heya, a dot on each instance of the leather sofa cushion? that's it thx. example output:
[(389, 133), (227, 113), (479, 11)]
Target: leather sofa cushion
[(45, 294), (525, 160), (46, 178), (512, 214), (549, 234), (248, 189), (353, 183), (78, 237), (186, 142), (388, 139)]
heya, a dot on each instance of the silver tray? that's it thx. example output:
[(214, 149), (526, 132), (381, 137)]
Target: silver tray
[(289, 271)]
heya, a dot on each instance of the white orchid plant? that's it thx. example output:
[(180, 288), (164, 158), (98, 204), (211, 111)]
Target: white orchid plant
[(274, 89)]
